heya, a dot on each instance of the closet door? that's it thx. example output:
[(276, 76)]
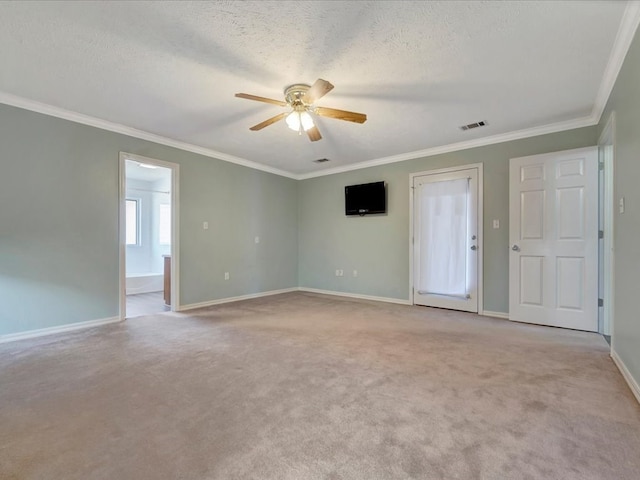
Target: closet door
[(553, 233)]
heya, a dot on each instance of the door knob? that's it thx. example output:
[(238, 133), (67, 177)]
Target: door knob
[(515, 248)]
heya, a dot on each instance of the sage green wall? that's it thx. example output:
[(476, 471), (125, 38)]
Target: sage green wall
[(59, 223), (625, 101), (378, 246)]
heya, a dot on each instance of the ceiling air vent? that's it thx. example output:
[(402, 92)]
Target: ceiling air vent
[(321, 160), (473, 125)]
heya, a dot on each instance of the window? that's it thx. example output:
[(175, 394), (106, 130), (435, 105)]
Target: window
[(164, 230), (132, 230)]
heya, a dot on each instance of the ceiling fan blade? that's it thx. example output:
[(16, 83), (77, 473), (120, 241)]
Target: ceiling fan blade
[(268, 122), (318, 90), (261, 99), (314, 134), (341, 114)]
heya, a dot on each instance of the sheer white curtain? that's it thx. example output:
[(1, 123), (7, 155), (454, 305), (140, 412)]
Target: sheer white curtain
[(443, 237)]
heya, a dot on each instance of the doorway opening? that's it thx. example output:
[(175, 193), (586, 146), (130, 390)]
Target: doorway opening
[(446, 236), (148, 217)]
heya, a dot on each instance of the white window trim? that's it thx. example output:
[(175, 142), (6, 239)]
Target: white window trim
[(160, 242), (138, 221)]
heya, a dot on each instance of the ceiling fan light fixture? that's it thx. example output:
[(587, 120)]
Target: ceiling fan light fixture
[(297, 119), (301, 98)]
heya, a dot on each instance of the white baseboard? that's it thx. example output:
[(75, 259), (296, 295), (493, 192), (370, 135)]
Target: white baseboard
[(398, 301), (633, 384), (219, 301), (41, 332), (488, 313)]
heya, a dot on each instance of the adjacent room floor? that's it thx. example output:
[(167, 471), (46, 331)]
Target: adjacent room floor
[(145, 304), (302, 386)]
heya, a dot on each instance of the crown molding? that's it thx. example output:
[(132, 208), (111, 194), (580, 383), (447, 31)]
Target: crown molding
[(43, 108), (628, 26), (454, 147), (626, 32), (38, 107)]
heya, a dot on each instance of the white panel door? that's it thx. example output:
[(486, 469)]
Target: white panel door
[(446, 239), (553, 234)]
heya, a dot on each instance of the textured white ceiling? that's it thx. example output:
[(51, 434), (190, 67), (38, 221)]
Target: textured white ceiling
[(419, 70)]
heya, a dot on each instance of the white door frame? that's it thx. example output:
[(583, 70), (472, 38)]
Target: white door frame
[(608, 138), (175, 213), (480, 242)]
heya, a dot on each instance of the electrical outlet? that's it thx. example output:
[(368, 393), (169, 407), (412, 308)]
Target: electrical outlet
[(226, 275), (341, 273), (205, 225), (496, 224), (355, 273), (257, 239)]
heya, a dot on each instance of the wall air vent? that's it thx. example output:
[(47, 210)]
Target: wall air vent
[(321, 160), (473, 125)]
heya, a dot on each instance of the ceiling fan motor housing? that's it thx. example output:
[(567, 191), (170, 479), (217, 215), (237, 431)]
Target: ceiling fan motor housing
[(294, 94)]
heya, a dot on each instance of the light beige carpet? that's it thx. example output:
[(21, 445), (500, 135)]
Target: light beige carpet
[(302, 386)]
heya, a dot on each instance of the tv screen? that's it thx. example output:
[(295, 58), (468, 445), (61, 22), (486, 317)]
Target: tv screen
[(365, 199)]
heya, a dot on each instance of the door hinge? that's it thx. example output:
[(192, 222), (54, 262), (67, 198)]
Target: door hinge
[(600, 233), (601, 302), (601, 166)]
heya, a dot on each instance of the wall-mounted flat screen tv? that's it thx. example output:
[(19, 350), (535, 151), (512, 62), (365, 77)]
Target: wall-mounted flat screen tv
[(365, 199)]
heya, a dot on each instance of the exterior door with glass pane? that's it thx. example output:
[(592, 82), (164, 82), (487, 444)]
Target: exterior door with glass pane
[(446, 243)]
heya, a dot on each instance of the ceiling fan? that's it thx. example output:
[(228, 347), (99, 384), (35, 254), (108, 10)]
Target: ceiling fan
[(300, 99)]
